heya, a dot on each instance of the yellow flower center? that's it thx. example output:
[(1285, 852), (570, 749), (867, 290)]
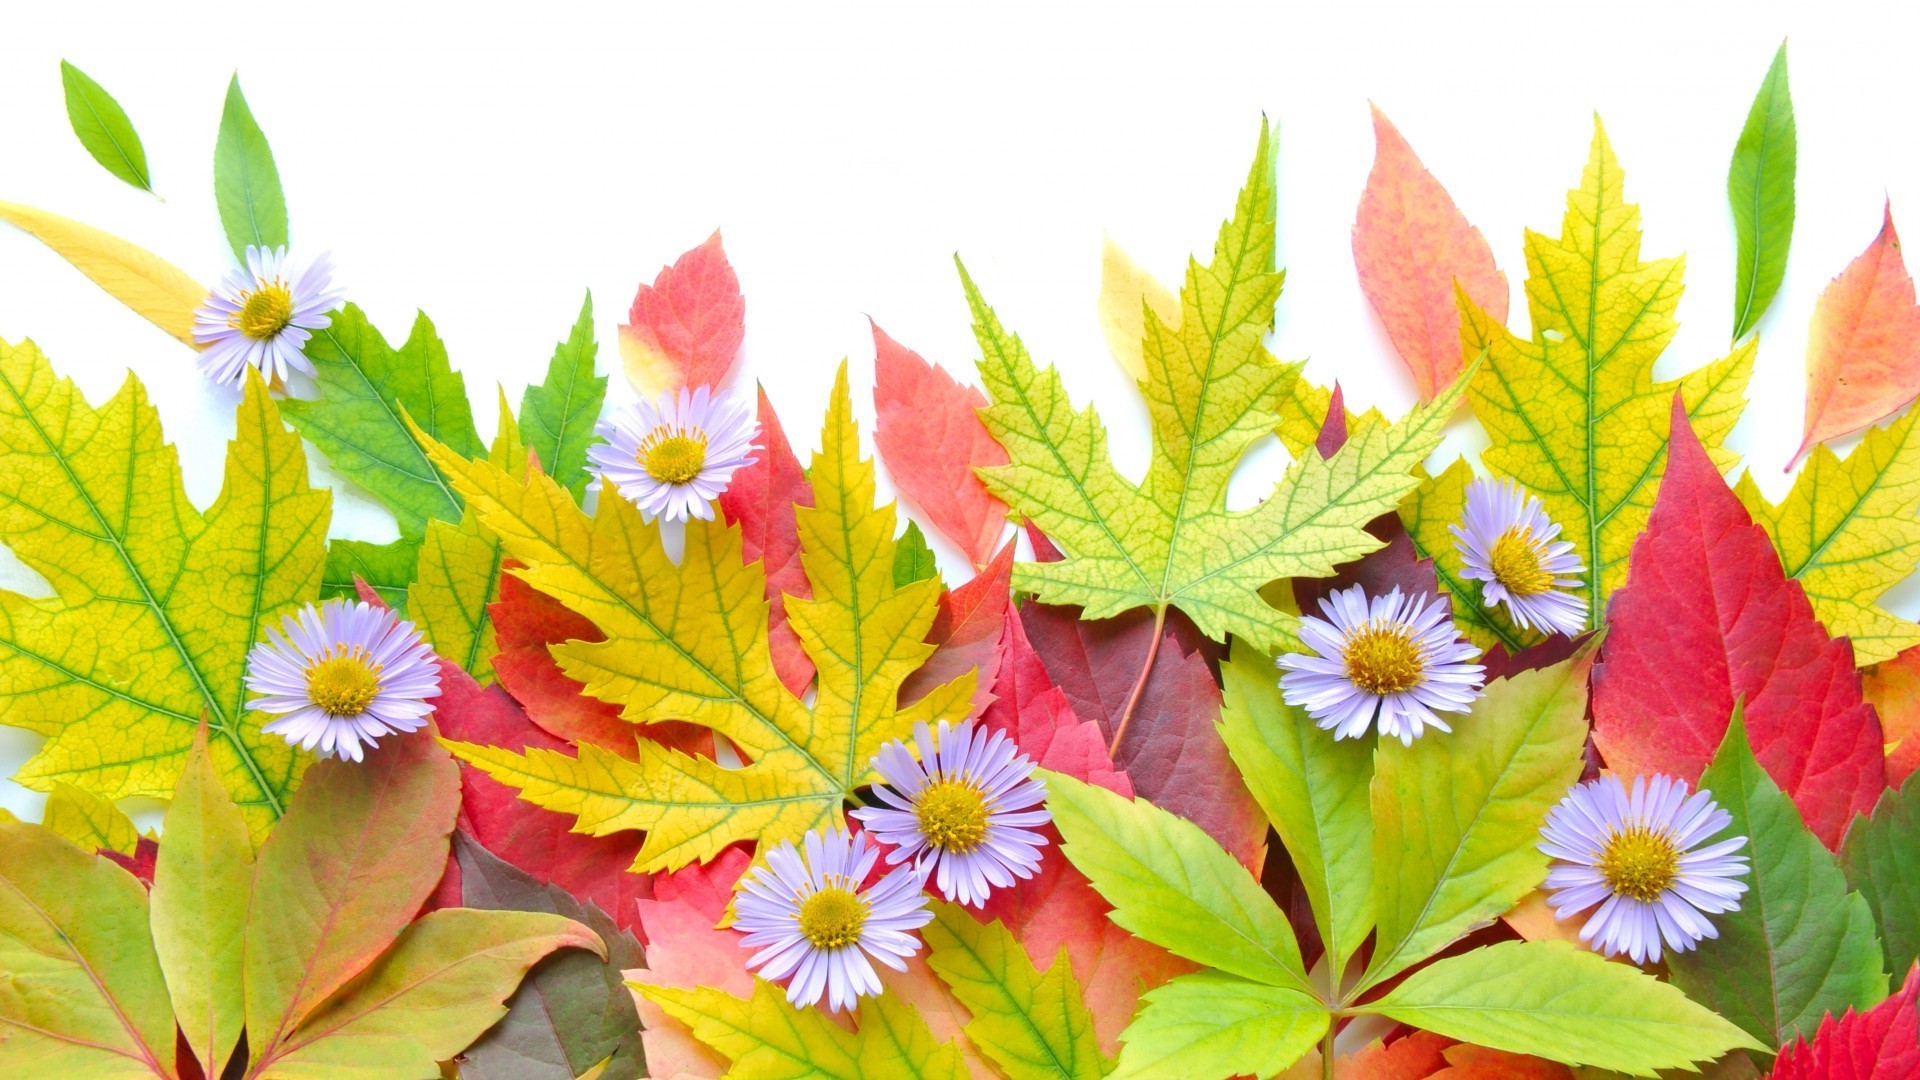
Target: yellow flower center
[(832, 918), (1385, 660), (266, 311), (673, 455), (344, 681), (1640, 863), (1516, 563), (952, 815)]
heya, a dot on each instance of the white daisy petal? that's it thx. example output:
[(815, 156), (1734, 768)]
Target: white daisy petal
[(1507, 543), (261, 316), (1392, 662), (342, 675)]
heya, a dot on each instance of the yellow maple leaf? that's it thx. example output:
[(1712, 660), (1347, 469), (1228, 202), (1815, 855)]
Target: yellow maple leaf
[(1574, 414), (764, 1036), (690, 642), (1848, 532)]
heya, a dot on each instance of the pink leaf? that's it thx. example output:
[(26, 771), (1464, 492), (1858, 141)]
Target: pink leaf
[(967, 631), (685, 329), (760, 500)]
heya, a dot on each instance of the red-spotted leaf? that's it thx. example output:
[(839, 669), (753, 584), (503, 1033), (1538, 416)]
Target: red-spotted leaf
[(685, 329), (1411, 244), (1863, 349), (1882, 1043), (966, 633), (1707, 618), (760, 500), (929, 433)]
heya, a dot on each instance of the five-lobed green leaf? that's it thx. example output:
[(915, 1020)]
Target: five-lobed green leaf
[(246, 184), (1760, 190), (103, 128), (1033, 1026), (1881, 857), (1213, 1025)]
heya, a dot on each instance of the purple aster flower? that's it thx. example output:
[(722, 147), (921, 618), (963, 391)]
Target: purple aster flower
[(261, 316), (1397, 658), (674, 459), (342, 675), (1639, 857), (812, 920), (1507, 541), (965, 812)]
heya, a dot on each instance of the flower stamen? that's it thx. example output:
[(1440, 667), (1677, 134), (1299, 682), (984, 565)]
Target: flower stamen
[(1382, 658), (952, 815), (673, 455), (1639, 862), (344, 681), (1515, 562), (832, 917), (264, 311)]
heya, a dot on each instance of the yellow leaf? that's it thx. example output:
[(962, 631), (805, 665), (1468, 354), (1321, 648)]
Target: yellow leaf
[(766, 1038), (88, 821), (690, 642), (1848, 532), (154, 288), (1126, 291), (156, 602), (1574, 414)]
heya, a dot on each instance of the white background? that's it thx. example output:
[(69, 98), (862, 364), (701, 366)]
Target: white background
[(488, 171)]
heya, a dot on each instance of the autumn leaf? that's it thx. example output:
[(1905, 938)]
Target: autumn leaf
[(1882, 1043), (1412, 246), (763, 501), (528, 622), (1893, 689), (1574, 414), (1126, 291), (153, 288), (928, 432), (1760, 190), (156, 603), (690, 641), (966, 634), (1863, 347), (686, 948), (88, 821), (764, 1036), (685, 328), (1708, 618), (1848, 532)]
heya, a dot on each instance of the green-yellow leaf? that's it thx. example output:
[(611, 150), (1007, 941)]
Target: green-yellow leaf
[(1574, 414), (1457, 815), (1210, 1026), (1126, 292), (690, 642), (103, 128), (155, 289), (1760, 190), (912, 558), (459, 572), (557, 415), (157, 603), (1552, 1000), (88, 821), (246, 184), (1033, 1026), (767, 1039), (1882, 862), (1850, 530)]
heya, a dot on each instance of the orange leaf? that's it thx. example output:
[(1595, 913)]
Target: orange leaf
[(1466, 1062), (1411, 244), (1863, 349), (685, 328), (1894, 689)]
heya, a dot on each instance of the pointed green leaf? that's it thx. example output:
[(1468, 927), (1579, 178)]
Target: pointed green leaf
[(557, 415), (389, 568), (1033, 1026), (1882, 861), (912, 558), (103, 128), (88, 821), (1760, 190), (1210, 1026), (246, 185), (767, 1039), (459, 572)]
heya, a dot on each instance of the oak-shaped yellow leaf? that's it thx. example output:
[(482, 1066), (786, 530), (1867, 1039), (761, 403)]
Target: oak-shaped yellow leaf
[(156, 602), (690, 642), (1212, 390), (765, 1037), (1574, 414), (1848, 531)]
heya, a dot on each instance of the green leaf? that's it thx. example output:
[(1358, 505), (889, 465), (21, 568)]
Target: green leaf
[(81, 996), (104, 129), (912, 558), (389, 568), (246, 185), (1210, 1026), (1760, 190), (1171, 884), (1801, 945), (366, 390), (202, 886), (767, 1039), (1456, 816), (1882, 862), (1033, 1026), (88, 821), (1314, 791), (557, 416), (1552, 1000)]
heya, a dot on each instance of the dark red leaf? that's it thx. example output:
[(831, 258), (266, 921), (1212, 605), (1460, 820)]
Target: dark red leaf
[(966, 633)]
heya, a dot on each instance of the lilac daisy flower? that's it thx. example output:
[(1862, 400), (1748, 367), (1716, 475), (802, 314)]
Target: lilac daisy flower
[(812, 920), (965, 812), (673, 460), (1394, 657), (1506, 540), (1639, 857), (262, 315), (344, 674)]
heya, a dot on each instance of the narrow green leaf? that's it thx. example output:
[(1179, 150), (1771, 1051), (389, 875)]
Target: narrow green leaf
[(1209, 1026), (1314, 790), (557, 415), (1801, 945), (1882, 861), (1456, 815), (1552, 1000), (104, 129), (1760, 190), (1033, 1026), (246, 185), (389, 568), (912, 558), (1171, 884)]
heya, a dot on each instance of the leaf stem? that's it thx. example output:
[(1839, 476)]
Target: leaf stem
[(1326, 1047), (1139, 684)]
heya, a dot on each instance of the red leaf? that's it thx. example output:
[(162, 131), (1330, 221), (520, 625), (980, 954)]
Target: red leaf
[(1706, 617), (760, 500), (966, 632), (1037, 716), (931, 438), (1465, 1062), (1501, 664), (685, 947), (140, 863), (1411, 244), (685, 329), (525, 622), (1882, 1043), (1894, 689), (1333, 427), (1863, 347), (1397, 565)]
